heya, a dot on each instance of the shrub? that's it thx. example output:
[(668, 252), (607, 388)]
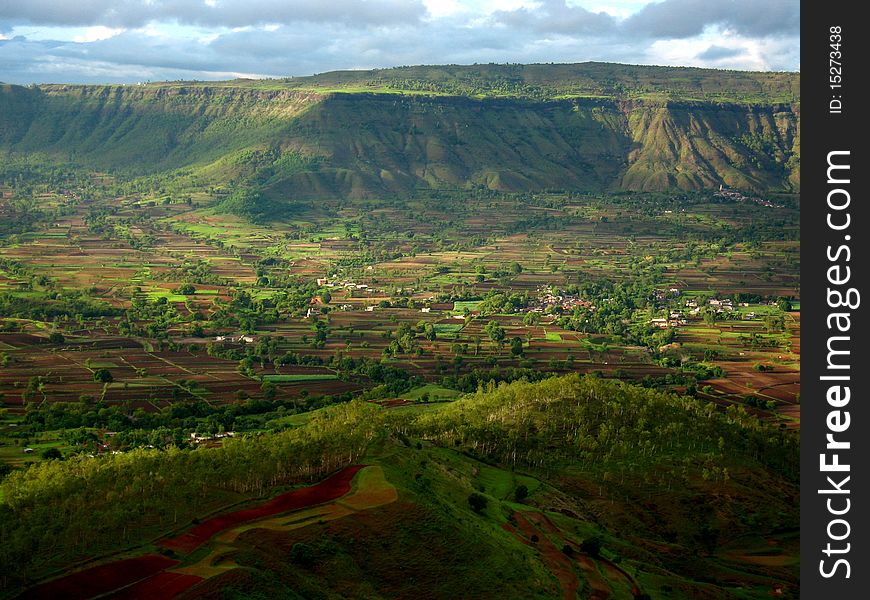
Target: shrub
[(477, 502), (302, 554), (591, 546), (103, 376), (51, 454)]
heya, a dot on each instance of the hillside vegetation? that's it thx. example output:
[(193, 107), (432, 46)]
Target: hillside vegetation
[(604, 451), (590, 127), (547, 82)]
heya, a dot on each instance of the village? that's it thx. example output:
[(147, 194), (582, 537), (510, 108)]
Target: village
[(725, 194), (693, 308), (549, 300)]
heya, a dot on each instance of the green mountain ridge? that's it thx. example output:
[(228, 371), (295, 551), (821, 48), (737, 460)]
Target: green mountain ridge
[(364, 134)]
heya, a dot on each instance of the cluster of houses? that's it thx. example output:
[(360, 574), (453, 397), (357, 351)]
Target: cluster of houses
[(236, 339), (198, 438), (71, 194), (348, 285), (674, 319), (566, 303), (314, 308), (724, 305), (721, 306), (735, 196), (548, 300), (662, 295)]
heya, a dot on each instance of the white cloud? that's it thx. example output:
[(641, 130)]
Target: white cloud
[(96, 33), (175, 39), (723, 48), (438, 9)]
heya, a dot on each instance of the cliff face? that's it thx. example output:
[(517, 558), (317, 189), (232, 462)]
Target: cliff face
[(140, 129), (700, 146), (395, 144), (310, 144)]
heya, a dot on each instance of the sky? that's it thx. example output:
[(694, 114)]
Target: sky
[(129, 41)]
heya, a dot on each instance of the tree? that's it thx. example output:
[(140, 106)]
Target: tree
[(103, 376), (591, 546), (495, 332), (477, 502), (51, 454), (521, 493), (531, 319), (270, 390), (709, 315), (517, 346), (516, 268), (56, 338), (326, 297), (186, 289)]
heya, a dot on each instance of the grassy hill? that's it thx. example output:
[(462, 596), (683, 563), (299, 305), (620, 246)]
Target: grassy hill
[(357, 134), (583, 486), (545, 82)]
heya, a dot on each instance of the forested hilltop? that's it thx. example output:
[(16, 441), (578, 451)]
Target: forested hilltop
[(509, 128)]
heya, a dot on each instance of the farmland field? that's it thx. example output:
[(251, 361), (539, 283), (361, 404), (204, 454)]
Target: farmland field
[(167, 310)]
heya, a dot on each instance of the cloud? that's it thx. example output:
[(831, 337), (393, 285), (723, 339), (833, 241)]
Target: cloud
[(96, 33), (687, 18), (220, 13), (555, 16), (128, 41), (719, 52), (118, 60), (746, 53)]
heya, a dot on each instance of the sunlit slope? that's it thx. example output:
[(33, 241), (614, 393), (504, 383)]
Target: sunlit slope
[(142, 129), (691, 146)]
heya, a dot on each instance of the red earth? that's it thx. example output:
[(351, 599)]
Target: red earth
[(146, 577), (162, 586), (556, 560), (100, 580), (329, 489)]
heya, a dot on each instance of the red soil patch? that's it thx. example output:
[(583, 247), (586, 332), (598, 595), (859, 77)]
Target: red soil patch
[(557, 562), (614, 571), (533, 523), (543, 523), (329, 489), (100, 580), (162, 586), (599, 589)]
